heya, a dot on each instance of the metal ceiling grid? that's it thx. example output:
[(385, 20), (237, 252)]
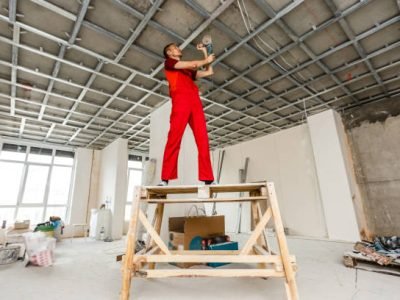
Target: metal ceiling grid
[(96, 73)]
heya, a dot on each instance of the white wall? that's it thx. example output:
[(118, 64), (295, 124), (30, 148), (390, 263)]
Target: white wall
[(93, 198), (286, 158), (327, 136), (81, 186), (113, 182)]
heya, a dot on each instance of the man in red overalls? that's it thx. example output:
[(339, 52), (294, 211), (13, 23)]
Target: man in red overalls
[(186, 108)]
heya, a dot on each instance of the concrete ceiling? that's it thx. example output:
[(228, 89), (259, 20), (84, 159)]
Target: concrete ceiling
[(83, 73)]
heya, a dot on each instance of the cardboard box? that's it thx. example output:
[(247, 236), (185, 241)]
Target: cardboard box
[(183, 229)]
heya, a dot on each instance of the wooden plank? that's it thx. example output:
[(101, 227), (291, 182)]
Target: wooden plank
[(269, 259), (153, 233), (204, 192), (192, 189), (290, 284), (130, 248), (260, 250), (213, 273), (257, 232), (358, 261), (211, 258), (197, 200), (279, 266), (205, 252), (158, 223), (142, 262), (153, 251), (264, 233), (361, 257)]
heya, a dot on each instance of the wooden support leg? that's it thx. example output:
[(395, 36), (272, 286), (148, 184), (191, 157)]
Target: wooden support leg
[(157, 226), (149, 241), (264, 233), (261, 239), (256, 215), (128, 260), (290, 284)]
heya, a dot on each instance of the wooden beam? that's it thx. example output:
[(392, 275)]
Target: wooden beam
[(264, 233), (193, 189), (153, 233), (131, 246), (156, 223), (205, 252), (204, 192), (290, 284), (153, 251), (257, 232), (206, 200), (213, 273), (268, 259)]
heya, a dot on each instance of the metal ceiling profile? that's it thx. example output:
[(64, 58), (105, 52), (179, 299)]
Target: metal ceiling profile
[(96, 74)]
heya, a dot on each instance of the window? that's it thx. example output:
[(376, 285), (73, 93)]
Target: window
[(13, 152), (10, 180), (135, 174), (34, 183), (59, 185)]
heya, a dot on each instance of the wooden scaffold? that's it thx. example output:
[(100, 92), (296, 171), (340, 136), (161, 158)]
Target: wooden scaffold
[(264, 207)]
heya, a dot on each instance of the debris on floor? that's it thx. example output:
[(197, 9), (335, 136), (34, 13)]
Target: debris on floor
[(383, 255), (9, 254)]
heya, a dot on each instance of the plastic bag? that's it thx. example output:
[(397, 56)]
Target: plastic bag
[(40, 248)]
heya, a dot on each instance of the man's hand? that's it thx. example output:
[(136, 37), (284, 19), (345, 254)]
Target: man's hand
[(209, 59), (201, 47)]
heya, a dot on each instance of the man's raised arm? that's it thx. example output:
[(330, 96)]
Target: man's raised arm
[(194, 64)]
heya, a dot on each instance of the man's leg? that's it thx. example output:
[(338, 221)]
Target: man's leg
[(178, 121), (197, 122)]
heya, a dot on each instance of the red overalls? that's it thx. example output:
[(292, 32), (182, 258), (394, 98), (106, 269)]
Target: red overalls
[(186, 108)]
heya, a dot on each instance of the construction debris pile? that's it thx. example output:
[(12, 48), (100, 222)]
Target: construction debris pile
[(384, 252)]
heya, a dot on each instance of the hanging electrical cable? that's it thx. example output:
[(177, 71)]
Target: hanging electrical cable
[(249, 27)]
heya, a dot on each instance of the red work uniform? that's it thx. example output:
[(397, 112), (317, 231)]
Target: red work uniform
[(186, 108)]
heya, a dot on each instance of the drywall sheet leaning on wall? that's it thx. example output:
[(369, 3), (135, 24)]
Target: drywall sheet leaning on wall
[(286, 158), (333, 176)]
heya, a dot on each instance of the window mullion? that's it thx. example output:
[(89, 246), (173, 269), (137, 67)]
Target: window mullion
[(72, 176), (47, 189), (22, 183)]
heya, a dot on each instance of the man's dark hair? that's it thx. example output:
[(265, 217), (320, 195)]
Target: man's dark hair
[(166, 49)]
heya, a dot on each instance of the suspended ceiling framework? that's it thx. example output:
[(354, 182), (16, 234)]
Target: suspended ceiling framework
[(84, 73)]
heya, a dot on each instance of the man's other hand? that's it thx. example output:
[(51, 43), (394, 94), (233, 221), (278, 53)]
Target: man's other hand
[(201, 47), (210, 58)]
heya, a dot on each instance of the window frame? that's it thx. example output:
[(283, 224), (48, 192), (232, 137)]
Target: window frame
[(24, 175), (144, 158)]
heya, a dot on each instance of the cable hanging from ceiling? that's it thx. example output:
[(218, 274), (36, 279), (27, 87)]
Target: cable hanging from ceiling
[(249, 27)]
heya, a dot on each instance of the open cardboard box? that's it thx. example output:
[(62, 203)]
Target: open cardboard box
[(183, 229)]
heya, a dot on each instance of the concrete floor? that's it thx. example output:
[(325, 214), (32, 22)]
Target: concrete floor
[(86, 270)]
